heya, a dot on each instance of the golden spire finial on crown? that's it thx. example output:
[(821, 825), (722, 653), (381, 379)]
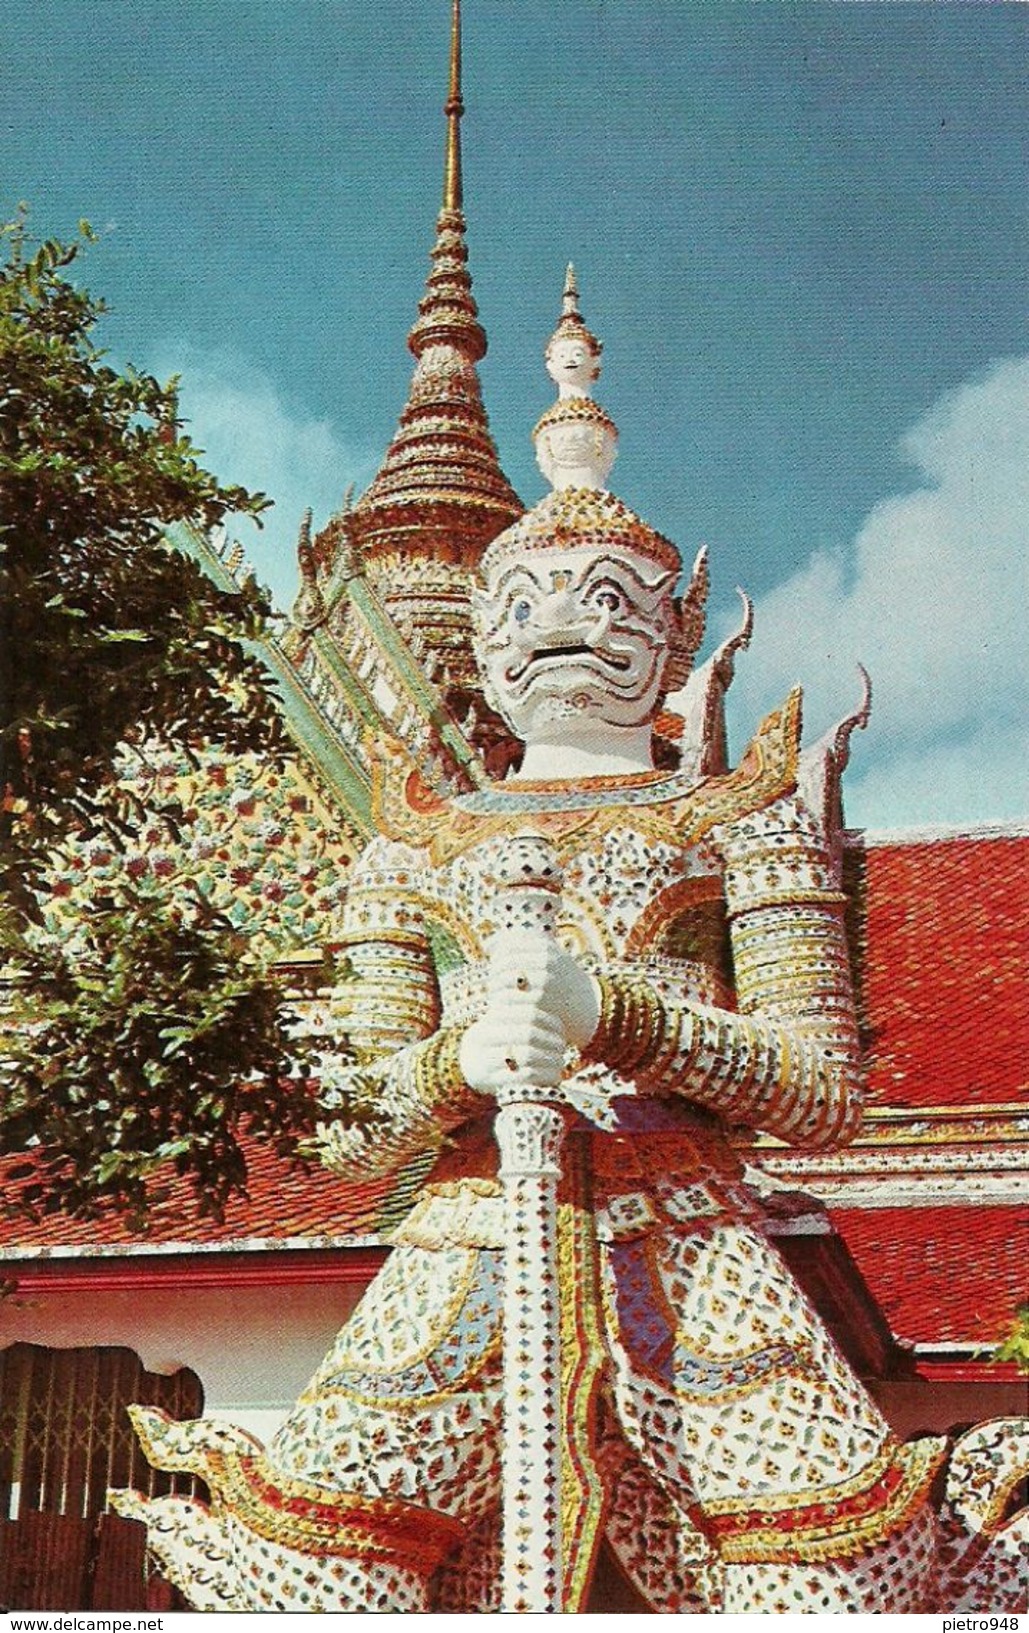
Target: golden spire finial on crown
[(570, 297), (575, 381)]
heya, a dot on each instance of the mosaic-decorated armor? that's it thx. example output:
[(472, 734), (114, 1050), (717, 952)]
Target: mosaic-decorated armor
[(704, 1371), (697, 979)]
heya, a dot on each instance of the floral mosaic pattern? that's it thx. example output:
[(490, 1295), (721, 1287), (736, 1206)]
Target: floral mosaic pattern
[(261, 844)]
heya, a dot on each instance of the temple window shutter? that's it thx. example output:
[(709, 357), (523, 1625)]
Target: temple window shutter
[(65, 1440)]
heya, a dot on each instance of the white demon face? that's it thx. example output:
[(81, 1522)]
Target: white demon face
[(574, 634)]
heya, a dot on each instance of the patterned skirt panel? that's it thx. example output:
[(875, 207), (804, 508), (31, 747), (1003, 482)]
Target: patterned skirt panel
[(407, 1402), (735, 1398), (722, 1379)]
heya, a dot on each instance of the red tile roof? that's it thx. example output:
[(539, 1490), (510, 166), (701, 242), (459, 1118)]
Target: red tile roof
[(942, 1275), (943, 942), (285, 1204)]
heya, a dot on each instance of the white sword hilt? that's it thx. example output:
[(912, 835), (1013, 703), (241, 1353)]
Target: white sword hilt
[(528, 881), (528, 878), (529, 1129)]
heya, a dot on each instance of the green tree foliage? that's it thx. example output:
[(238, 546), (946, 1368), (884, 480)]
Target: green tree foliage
[(109, 633), (137, 1049), (143, 1031), (1015, 1346)]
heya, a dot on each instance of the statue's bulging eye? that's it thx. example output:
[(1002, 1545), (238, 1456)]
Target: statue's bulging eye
[(521, 611), (613, 600)]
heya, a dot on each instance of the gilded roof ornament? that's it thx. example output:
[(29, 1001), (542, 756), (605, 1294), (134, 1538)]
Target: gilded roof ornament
[(309, 606), (440, 489), (821, 768), (453, 193)]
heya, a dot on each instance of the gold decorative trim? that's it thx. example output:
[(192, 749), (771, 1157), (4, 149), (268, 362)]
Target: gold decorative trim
[(837, 1527), (788, 897), (410, 940), (582, 1360), (574, 410), (665, 811), (315, 1521), (633, 1025), (580, 519)]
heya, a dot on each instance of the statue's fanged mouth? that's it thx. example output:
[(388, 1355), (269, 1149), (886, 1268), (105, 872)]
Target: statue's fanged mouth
[(544, 654)]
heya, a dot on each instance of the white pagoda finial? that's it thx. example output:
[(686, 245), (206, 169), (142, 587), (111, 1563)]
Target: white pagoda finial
[(575, 440)]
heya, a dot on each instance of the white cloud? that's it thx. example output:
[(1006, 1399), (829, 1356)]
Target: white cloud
[(931, 597), (251, 436)]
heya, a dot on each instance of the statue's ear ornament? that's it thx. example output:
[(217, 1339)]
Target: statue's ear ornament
[(699, 705), (689, 621)]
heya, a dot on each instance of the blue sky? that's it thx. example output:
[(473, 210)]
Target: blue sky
[(800, 229)]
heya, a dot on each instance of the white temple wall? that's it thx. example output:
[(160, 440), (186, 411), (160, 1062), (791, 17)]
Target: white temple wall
[(253, 1348)]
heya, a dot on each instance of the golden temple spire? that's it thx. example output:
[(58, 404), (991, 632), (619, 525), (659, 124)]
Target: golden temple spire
[(452, 190), (440, 490)]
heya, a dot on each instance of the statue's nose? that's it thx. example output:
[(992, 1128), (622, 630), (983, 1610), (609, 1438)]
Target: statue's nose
[(561, 610)]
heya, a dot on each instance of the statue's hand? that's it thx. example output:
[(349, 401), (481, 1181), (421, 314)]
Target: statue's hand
[(539, 999)]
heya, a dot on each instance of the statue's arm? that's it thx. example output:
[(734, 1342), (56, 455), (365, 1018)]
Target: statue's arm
[(406, 1073), (787, 1061)]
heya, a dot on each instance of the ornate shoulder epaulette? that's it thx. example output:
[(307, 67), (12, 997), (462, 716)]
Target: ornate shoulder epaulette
[(570, 815), (767, 772)]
